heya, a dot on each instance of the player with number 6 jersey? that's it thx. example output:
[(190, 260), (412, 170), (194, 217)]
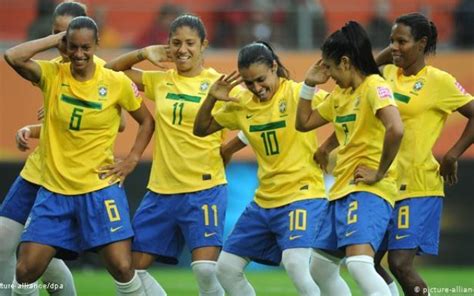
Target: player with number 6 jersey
[(81, 206)]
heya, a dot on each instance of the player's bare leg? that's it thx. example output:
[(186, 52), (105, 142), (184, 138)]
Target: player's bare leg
[(118, 261), (402, 267)]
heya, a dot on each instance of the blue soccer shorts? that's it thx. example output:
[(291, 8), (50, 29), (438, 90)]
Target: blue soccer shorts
[(164, 223), (19, 200), (262, 234), (358, 218), (415, 224), (77, 223)]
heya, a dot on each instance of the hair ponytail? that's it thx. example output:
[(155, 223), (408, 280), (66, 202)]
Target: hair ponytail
[(351, 41)]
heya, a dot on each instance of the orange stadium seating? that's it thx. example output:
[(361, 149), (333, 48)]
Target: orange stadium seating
[(131, 17)]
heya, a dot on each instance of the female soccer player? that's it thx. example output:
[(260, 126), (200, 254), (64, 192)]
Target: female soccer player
[(369, 130), (425, 96), (187, 196), (282, 221), (80, 206), (22, 194)]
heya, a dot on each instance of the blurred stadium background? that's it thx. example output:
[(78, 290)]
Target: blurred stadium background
[(296, 28)]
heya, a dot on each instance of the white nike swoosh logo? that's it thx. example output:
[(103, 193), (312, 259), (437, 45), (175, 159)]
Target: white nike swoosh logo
[(209, 234), (293, 237), (114, 229), (397, 237), (350, 233)]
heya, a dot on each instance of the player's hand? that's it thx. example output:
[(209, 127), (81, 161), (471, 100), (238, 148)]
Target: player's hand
[(119, 170), (62, 47), (22, 137), (158, 54), (366, 175), (321, 157), (318, 73), (449, 170), (221, 88), (40, 113)]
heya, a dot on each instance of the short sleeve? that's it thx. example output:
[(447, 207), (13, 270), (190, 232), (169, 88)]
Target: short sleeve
[(326, 109), (130, 98), (452, 94), (319, 97), (150, 81), (226, 116), (380, 96), (49, 71)]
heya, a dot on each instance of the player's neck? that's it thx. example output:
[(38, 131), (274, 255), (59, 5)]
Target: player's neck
[(414, 68), (83, 74), (357, 79), (193, 72)]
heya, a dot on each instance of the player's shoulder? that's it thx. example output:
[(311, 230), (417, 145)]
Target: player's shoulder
[(437, 75), (375, 80), (210, 74)]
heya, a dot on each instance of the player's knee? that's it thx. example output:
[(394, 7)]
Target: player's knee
[(322, 269), (122, 271), (291, 265), (27, 272), (398, 265), (12, 230), (225, 271), (7, 251), (204, 270)]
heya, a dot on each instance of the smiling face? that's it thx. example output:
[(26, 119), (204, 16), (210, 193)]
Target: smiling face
[(81, 46), (406, 51), (261, 80), (186, 50)]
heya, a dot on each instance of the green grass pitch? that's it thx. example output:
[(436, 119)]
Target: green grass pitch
[(180, 282)]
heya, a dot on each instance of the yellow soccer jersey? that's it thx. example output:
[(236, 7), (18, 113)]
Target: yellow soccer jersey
[(32, 169), (360, 134), (182, 162), (286, 170), (425, 100), (80, 126)]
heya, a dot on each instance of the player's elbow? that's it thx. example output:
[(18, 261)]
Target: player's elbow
[(301, 126), (396, 132), (9, 57), (199, 131)]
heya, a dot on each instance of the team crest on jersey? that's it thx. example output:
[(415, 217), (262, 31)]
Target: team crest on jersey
[(282, 106), (204, 85), (418, 85), (103, 91)]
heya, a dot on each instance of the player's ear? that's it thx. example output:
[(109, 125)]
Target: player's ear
[(204, 45)]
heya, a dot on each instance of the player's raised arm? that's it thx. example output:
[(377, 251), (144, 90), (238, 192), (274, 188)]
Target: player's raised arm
[(20, 57)]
